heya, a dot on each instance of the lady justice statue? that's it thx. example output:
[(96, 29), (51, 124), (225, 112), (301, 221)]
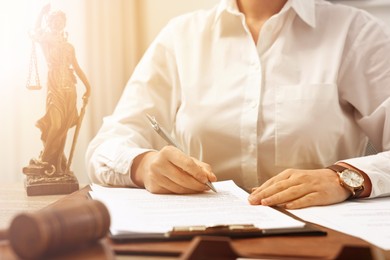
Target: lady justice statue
[(50, 172)]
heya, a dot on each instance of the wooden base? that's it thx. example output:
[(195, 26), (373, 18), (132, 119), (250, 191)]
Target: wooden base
[(57, 185), (210, 248)]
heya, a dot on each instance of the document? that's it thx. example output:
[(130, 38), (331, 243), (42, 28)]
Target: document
[(139, 211), (368, 219)]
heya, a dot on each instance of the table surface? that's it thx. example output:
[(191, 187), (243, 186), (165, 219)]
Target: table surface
[(14, 200)]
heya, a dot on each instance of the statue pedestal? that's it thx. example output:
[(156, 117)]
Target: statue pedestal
[(41, 184), (50, 185)]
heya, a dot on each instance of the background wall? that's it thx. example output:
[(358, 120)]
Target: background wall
[(379, 8), (110, 37)]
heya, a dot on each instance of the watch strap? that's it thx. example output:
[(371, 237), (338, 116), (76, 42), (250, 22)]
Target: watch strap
[(337, 168), (357, 193)]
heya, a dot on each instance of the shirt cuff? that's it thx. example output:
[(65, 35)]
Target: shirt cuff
[(112, 163), (377, 169)]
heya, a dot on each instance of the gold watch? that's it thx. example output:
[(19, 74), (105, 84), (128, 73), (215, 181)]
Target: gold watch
[(350, 179)]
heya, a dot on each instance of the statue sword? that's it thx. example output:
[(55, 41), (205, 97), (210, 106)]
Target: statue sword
[(76, 132)]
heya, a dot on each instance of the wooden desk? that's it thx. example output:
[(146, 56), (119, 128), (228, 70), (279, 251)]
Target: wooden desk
[(13, 200)]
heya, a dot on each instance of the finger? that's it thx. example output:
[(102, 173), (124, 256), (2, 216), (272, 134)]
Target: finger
[(206, 167), (311, 199), (278, 183), (155, 188), (180, 188), (285, 195), (285, 175), (271, 187), (186, 181), (175, 175), (163, 184), (186, 163), (314, 198), (331, 193), (278, 193)]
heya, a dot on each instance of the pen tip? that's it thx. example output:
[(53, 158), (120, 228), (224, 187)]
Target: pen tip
[(211, 186)]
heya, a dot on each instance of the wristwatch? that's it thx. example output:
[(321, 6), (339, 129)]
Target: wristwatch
[(350, 179)]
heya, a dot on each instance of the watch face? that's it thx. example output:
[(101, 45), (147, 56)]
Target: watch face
[(352, 178)]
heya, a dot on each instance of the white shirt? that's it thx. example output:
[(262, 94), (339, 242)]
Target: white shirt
[(313, 91)]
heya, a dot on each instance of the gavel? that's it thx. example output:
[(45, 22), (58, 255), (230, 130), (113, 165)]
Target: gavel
[(57, 229)]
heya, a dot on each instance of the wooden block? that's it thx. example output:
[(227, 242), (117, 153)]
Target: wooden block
[(210, 248)]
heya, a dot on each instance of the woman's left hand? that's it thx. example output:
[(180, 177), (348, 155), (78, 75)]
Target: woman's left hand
[(293, 189)]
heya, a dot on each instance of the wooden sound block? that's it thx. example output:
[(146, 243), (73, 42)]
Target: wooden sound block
[(51, 185)]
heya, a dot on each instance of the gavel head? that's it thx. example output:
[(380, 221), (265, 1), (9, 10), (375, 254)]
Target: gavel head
[(58, 229)]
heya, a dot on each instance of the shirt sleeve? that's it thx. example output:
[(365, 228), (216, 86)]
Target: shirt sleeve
[(126, 133), (365, 87)]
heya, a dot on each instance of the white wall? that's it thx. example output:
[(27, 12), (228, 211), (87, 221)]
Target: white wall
[(379, 8), (155, 13)]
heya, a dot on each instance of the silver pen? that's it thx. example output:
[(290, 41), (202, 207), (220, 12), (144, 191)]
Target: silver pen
[(164, 134)]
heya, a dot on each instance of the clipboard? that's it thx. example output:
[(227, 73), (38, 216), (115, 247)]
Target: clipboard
[(231, 231), (209, 222)]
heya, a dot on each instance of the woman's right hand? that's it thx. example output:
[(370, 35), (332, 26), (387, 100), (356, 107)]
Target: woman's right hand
[(171, 171)]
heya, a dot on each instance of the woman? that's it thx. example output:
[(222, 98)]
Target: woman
[(267, 93)]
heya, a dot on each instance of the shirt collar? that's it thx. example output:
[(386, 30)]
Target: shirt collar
[(303, 8), (229, 6)]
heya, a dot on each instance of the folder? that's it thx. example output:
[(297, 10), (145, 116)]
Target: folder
[(232, 231), (138, 215)]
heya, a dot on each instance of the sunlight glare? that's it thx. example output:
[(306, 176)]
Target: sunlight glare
[(17, 18)]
